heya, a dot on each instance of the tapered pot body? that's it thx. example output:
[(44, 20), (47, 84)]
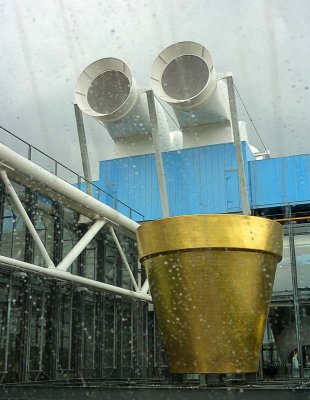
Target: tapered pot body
[(211, 279)]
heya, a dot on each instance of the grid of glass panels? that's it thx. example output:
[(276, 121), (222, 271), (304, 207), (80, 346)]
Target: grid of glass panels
[(52, 330)]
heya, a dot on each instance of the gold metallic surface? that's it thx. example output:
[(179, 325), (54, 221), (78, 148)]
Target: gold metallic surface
[(211, 279), (210, 231)]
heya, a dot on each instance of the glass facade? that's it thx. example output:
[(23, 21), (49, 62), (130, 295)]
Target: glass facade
[(288, 329), (53, 330)]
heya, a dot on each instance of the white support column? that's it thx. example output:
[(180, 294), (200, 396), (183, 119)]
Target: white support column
[(124, 259), (81, 244), (55, 273), (246, 210), (158, 155), (83, 148), (145, 287), (26, 219)]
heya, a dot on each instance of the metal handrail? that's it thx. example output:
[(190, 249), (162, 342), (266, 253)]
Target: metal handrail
[(79, 177)]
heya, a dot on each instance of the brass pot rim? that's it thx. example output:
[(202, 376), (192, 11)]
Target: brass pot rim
[(210, 231)]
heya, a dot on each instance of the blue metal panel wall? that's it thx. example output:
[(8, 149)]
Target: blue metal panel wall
[(280, 181), (199, 180), (133, 181)]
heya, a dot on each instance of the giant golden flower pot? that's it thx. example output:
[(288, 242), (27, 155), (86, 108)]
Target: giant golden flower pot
[(211, 279)]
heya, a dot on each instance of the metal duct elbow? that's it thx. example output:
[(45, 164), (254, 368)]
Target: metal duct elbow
[(184, 76), (107, 91)]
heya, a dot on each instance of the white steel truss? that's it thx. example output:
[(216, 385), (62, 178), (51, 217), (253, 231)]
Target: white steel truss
[(26, 218), (81, 245), (35, 177), (118, 245)]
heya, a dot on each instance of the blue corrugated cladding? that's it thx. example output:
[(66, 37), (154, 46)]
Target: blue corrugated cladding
[(280, 181), (199, 180)]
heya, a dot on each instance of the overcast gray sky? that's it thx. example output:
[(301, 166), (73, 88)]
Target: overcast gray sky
[(46, 44)]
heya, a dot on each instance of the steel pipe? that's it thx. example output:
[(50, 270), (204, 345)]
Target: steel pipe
[(184, 76), (80, 246), (145, 287), (55, 273), (26, 219), (107, 91), (60, 190), (127, 266)]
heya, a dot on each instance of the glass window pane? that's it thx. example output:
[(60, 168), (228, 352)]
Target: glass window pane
[(305, 337), (89, 334), (4, 291), (90, 261), (65, 329), (109, 333), (44, 224), (17, 322), (302, 251), (281, 343), (69, 236), (283, 278)]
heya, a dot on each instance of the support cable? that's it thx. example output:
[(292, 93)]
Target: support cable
[(171, 117), (250, 118)]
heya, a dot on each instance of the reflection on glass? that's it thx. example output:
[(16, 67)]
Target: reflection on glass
[(110, 261), (109, 333), (65, 330), (37, 327), (44, 223), (90, 261), (13, 238), (305, 338), (282, 341), (302, 251), (69, 236), (89, 338), (49, 330), (127, 337), (16, 329), (3, 321), (283, 278)]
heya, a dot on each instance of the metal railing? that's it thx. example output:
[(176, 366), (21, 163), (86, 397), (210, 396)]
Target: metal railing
[(34, 154)]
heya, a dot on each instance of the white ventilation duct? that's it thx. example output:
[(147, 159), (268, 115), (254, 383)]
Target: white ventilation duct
[(184, 76), (107, 91)]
